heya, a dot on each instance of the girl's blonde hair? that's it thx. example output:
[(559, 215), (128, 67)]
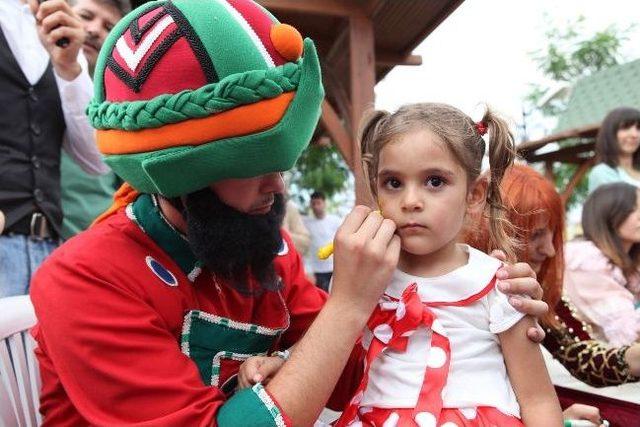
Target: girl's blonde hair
[(461, 135)]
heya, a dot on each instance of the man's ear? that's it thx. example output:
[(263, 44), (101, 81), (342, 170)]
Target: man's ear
[(477, 195)]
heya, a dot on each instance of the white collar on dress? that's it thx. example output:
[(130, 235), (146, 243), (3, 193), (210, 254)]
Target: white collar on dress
[(459, 284)]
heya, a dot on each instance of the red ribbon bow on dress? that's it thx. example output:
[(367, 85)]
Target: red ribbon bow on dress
[(392, 323)]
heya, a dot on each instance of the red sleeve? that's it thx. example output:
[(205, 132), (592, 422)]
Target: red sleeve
[(304, 299), (113, 355)]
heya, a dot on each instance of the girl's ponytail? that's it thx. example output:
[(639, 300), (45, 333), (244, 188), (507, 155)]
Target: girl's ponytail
[(502, 154)]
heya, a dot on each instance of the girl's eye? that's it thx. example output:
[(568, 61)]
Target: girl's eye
[(391, 183), (435, 181)]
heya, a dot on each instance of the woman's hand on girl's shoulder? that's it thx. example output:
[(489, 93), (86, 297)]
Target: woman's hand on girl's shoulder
[(525, 293)]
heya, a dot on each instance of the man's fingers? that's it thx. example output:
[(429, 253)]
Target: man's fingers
[(521, 286), (59, 19), (354, 220), (531, 307), (521, 269), (497, 253), (385, 232), (50, 6), (370, 226), (72, 34), (536, 334)]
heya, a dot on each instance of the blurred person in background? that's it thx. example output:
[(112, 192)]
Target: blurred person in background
[(323, 227), (617, 149), (84, 196), (602, 278), (45, 80)]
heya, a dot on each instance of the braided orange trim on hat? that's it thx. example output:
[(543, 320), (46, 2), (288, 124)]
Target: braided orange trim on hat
[(243, 120)]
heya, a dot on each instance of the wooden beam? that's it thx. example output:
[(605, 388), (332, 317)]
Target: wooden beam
[(341, 138), (548, 171), (363, 81), (575, 179), (389, 59), (321, 7), (572, 154), (580, 132)]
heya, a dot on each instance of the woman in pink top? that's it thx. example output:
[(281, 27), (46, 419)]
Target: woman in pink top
[(601, 272)]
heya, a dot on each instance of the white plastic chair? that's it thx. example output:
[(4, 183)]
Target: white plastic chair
[(19, 374)]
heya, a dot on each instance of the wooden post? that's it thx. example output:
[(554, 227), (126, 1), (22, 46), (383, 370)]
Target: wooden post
[(362, 74), (341, 138), (575, 179), (548, 171)]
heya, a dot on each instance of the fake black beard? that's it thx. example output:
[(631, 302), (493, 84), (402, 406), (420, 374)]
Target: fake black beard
[(232, 244)]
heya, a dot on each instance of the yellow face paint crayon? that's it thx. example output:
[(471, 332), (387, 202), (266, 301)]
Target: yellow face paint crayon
[(327, 250)]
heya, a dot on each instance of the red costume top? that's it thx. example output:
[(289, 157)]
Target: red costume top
[(125, 310)]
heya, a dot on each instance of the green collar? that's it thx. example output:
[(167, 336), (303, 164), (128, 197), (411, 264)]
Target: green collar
[(145, 212)]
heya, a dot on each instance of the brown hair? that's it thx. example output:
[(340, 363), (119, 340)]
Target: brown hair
[(607, 147), (458, 131), (530, 198), (603, 213)]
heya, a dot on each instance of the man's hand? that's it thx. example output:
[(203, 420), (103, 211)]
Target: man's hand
[(366, 252), (258, 369), (519, 279), (56, 20)]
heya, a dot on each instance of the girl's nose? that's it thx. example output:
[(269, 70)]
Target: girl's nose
[(412, 200)]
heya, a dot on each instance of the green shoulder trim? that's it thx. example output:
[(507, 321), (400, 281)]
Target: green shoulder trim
[(230, 92), (251, 407), (146, 213)]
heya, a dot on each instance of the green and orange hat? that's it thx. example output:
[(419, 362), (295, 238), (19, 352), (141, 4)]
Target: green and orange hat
[(189, 92)]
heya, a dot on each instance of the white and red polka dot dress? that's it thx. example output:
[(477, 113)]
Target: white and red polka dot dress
[(433, 356)]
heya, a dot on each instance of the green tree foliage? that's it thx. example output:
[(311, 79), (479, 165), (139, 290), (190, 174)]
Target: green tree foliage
[(319, 168), (569, 55)]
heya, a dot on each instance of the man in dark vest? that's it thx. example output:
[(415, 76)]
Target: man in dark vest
[(44, 91)]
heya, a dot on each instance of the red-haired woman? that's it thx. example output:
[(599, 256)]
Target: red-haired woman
[(535, 209)]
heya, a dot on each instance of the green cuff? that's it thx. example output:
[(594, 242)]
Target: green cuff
[(251, 407)]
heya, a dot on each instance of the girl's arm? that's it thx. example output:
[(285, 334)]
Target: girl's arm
[(539, 404)]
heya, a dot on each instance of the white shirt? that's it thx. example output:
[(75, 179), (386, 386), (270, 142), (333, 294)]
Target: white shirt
[(477, 373), (19, 29), (322, 233)]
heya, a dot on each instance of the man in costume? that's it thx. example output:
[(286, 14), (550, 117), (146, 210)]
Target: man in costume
[(145, 318)]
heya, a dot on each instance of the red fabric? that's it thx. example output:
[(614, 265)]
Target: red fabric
[(261, 24), (179, 59), (619, 413), (109, 331), (484, 417)]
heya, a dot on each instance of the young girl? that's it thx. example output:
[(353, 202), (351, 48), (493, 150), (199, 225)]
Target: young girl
[(444, 347), (602, 277)]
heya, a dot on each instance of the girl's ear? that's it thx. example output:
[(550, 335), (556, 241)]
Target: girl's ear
[(477, 195)]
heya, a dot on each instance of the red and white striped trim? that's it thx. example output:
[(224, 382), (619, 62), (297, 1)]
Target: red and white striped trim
[(250, 32)]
